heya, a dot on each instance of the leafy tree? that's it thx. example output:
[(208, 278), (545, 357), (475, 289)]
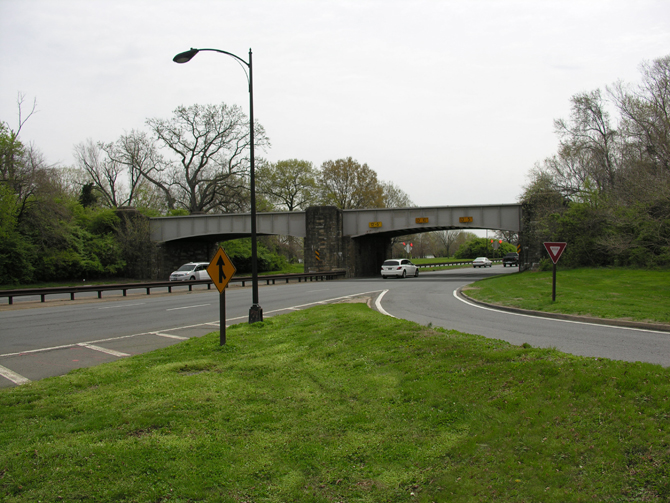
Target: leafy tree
[(17, 254), (88, 198), (347, 184), (206, 163), (289, 184), (239, 252), (482, 247)]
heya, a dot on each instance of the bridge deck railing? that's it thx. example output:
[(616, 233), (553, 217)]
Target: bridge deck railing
[(148, 286)]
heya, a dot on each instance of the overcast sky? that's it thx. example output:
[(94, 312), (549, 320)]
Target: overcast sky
[(453, 101)]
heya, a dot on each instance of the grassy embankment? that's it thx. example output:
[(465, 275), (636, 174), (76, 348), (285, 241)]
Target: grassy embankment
[(631, 294), (340, 403)]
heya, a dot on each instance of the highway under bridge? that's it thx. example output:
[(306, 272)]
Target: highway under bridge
[(356, 241)]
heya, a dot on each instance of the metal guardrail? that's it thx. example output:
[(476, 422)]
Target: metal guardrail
[(445, 264), (148, 286)]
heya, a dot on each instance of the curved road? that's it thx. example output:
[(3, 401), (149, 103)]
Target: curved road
[(40, 340)]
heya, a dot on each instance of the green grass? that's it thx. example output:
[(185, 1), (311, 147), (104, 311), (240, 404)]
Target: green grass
[(631, 294), (340, 403)]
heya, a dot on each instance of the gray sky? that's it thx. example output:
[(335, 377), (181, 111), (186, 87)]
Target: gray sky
[(453, 101)]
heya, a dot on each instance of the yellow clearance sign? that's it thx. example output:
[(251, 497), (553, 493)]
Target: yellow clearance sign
[(221, 269)]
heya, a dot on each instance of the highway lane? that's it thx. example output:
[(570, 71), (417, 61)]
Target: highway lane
[(433, 301), (52, 338), (67, 322), (40, 340)]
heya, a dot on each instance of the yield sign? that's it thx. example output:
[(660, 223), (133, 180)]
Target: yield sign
[(555, 250), (221, 269)]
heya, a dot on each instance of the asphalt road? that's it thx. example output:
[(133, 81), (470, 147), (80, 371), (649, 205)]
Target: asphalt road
[(41, 340)]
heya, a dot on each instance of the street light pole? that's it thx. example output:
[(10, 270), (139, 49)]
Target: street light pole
[(255, 311)]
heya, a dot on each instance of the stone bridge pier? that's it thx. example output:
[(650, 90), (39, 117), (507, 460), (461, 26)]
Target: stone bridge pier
[(328, 249)]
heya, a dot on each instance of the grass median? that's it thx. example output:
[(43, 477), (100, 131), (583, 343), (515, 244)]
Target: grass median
[(614, 293), (340, 403)]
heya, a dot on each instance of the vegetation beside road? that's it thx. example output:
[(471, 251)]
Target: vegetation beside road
[(340, 403), (615, 293)]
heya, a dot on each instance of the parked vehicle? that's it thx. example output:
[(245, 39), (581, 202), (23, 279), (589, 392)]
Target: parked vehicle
[(400, 268), (190, 272), (482, 262), (511, 259)]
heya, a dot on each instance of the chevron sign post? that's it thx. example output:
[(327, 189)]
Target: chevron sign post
[(555, 250)]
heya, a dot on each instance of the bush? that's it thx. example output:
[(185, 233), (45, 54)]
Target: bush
[(239, 252)]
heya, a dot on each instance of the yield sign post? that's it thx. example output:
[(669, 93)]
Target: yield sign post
[(555, 251), (221, 269)]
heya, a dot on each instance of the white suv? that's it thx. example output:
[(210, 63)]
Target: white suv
[(190, 272)]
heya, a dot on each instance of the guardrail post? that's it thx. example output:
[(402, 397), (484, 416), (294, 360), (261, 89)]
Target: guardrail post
[(100, 294)]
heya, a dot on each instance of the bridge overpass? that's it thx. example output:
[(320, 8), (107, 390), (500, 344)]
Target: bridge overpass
[(357, 241)]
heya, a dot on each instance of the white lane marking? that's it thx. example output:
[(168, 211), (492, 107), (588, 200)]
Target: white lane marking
[(187, 307), (13, 376), (378, 303), (170, 336), (320, 290), (102, 350), (212, 323), (116, 307), (555, 319)]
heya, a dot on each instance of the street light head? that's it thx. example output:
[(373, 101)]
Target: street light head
[(185, 57)]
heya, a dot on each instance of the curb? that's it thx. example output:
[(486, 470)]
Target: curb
[(559, 316)]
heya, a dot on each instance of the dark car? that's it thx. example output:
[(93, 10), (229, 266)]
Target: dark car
[(511, 259)]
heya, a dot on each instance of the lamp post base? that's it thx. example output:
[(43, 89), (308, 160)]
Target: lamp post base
[(255, 313)]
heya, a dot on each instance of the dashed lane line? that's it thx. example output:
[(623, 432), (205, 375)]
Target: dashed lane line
[(187, 307), (13, 376), (103, 350), (171, 336)]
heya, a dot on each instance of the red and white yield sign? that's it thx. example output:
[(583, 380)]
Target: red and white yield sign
[(555, 250)]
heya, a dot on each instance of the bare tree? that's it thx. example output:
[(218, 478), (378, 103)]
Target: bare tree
[(448, 241), (645, 112), (137, 154), (22, 168), (394, 196), (207, 163), (105, 173), (588, 140)]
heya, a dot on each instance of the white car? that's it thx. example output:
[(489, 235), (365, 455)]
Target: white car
[(190, 272), (400, 268), (482, 262)]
